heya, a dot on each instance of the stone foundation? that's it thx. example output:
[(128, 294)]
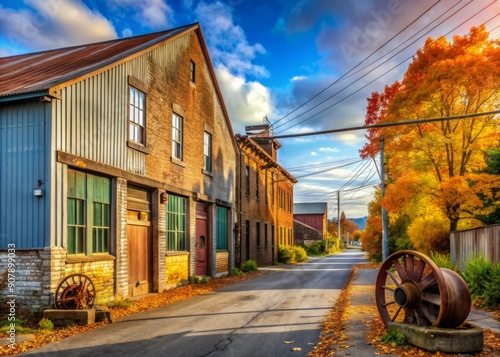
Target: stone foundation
[(177, 269)]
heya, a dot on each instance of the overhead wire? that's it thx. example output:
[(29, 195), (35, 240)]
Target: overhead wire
[(372, 81), (357, 65)]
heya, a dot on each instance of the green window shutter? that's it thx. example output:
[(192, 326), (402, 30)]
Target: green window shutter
[(221, 228), (176, 223)]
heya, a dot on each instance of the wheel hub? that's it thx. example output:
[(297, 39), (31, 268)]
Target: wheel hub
[(408, 295)]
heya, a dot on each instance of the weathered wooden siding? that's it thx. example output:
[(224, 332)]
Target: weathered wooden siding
[(470, 243), (22, 164)]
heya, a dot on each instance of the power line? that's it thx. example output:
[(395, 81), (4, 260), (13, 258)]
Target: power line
[(384, 125), (345, 74), (367, 84)]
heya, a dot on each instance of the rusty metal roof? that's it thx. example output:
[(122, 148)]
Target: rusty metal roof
[(33, 72)]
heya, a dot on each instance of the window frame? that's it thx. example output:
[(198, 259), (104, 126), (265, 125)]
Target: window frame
[(133, 121), (207, 151), (192, 71), (177, 142), (91, 191)]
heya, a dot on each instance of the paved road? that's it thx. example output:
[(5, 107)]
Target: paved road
[(251, 318)]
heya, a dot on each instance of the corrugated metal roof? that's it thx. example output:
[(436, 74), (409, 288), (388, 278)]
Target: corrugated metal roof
[(310, 208), (33, 72)]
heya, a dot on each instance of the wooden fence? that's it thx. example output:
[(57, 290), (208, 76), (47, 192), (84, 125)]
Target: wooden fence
[(467, 244)]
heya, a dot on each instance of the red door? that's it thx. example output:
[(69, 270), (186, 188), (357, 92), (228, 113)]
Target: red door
[(201, 240)]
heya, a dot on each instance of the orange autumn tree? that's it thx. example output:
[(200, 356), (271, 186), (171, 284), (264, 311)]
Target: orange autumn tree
[(434, 168)]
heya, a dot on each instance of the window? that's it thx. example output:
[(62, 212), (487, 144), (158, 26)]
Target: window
[(137, 118), (207, 151), (257, 184), (192, 71), (265, 235), (247, 180), (177, 136), (257, 228), (88, 212), (221, 228), (176, 223)]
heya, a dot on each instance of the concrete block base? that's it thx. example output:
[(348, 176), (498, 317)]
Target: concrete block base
[(457, 340), (70, 317), (102, 313)]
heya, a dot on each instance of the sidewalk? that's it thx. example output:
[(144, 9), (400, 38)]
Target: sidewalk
[(363, 294)]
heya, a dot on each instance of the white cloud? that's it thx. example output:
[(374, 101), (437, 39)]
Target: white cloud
[(227, 41), (314, 153), (127, 32), (52, 24), (155, 14), (298, 78), (328, 149), (247, 102)]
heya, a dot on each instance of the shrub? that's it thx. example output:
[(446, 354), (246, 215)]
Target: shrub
[(477, 274), (249, 266), (333, 246), (443, 261), (286, 254), (491, 293), (300, 253), (394, 338), (46, 325), (236, 272), (316, 249), (119, 303)]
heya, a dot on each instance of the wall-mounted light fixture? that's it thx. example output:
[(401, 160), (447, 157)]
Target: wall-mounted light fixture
[(38, 191), (164, 198)]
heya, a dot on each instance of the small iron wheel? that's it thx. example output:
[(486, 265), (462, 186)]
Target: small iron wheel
[(411, 282), (75, 292)]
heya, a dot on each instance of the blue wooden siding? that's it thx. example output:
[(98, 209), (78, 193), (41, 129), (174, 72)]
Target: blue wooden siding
[(22, 164)]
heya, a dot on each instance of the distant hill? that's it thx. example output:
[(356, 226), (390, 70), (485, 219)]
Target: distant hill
[(361, 222)]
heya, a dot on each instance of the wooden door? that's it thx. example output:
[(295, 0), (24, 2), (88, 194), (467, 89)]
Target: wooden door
[(139, 260), (139, 240), (201, 241)]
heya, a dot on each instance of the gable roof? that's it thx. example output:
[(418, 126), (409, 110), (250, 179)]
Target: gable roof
[(39, 71), (310, 208)]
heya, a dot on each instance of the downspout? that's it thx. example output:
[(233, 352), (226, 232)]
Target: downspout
[(239, 198)]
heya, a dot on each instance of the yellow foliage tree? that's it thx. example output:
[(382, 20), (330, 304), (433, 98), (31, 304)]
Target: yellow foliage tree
[(439, 163)]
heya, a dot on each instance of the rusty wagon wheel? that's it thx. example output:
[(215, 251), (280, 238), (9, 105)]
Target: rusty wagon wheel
[(411, 282), (75, 292)]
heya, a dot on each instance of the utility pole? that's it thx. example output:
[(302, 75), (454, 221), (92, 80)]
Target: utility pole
[(338, 213), (385, 238)]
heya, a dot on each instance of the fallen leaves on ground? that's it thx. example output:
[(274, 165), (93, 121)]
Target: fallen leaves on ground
[(333, 338), (42, 338)]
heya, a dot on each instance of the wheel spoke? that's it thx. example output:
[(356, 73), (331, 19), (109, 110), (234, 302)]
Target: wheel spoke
[(427, 282), (417, 275), (428, 313), (396, 314), (393, 277), (432, 298), (420, 320), (400, 270), (410, 264), (388, 288), (389, 303)]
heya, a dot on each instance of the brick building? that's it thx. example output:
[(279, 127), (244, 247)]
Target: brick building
[(310, 221), (265, 198), (122, 166)]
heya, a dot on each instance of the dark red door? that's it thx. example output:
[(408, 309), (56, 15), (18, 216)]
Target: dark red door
[(201, 240)]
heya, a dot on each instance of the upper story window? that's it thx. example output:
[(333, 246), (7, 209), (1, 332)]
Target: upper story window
[(247, 180), (207, 151), (137, 117), (192, 71), (257, 184), (177, 133)]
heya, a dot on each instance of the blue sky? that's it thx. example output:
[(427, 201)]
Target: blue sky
[(271, 57)]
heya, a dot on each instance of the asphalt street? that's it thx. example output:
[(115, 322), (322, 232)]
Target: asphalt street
[(278, 314)]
